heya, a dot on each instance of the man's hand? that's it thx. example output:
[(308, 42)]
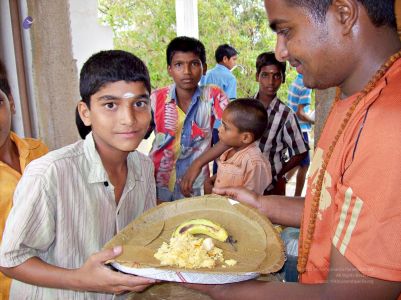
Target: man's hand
[(189, 177), (208, 185), (95, 276), (240, 194)]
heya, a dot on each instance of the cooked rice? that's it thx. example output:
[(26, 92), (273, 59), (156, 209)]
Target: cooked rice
[(186, 251)]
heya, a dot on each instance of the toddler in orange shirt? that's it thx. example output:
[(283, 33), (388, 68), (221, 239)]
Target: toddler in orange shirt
[(243, 123)]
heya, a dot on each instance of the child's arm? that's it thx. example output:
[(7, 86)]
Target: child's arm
[(92, 276), (197, 165)]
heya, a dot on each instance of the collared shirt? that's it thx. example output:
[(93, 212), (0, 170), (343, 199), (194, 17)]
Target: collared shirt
[(28, 150), (221, 76), (282, 133), (299, 94), (64, 212), (248, 168), (191, 139), (359, 209)]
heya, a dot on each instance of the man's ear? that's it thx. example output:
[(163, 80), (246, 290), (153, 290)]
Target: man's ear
[(169, 70), (347, 13), (84, 113), (247, 137), (257, 77)]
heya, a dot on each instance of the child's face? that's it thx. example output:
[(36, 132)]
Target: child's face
[(7, 109), (186, 70), (229, 134), (270, 79), (230, 62), (119, 115)]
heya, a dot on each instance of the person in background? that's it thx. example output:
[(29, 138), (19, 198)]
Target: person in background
[(282, 131), (73, 200), (226, 59), (299, 100), (15, 154), (184, 116), (283, 134), (243, 123)]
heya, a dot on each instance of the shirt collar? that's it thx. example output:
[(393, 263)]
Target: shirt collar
[(24, 148), (223, 68), (271, 105), (97, 173), (173, 95)]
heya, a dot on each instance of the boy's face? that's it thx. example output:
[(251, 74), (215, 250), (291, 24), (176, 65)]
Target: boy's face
[(270, 79), (314, 49), (186, 70), (7, 109), (231, 62), (119, 115), (229, 134)]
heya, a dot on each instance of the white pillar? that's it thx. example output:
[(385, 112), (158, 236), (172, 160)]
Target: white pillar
[(187, 18)]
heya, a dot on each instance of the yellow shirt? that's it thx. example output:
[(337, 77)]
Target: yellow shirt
[(28, 149)]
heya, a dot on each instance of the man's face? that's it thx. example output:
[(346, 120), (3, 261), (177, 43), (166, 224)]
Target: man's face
[(6, 112), (270, 79), (119, 115), (313, 48), (186, 70)]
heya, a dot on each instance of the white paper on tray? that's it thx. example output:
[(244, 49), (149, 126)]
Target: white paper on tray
[(185, 277)]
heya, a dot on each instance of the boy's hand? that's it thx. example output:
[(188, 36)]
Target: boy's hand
[(240, 194), (95, 276), (188, 179)]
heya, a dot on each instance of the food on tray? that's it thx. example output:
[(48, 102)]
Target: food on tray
[(184, 250), (202, 226)]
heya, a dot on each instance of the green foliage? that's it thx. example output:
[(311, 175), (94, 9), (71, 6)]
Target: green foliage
[(146, 27)]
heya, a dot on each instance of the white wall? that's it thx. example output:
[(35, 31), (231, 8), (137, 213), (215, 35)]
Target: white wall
[(88, 36), (8, 57)]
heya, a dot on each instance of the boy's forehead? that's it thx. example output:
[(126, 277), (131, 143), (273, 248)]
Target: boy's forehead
[(280, 11), (181, 55), (270, 69)]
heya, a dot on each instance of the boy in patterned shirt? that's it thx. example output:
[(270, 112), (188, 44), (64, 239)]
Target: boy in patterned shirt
[(184, 116)]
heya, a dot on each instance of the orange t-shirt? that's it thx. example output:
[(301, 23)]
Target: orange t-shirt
[(360, 208), (248, 168), (28, 150)]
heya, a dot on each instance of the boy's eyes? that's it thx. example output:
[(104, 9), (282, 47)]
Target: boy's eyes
[(141, 103)]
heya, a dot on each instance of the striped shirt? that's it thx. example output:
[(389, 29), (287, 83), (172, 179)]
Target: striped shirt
[(65, 210), (282, 133), (299, 94)]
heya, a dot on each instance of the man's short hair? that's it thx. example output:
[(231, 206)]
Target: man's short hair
[(224, 50), (380, 12), (249, 116), (106, 67), (4, 84), (185, 44), (267, 59)]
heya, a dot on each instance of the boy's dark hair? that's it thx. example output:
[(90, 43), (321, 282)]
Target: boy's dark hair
[(249, 116), (107, 67), (185, 44), (267, 59), (224, 50), (4, 84), (380, 12)]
